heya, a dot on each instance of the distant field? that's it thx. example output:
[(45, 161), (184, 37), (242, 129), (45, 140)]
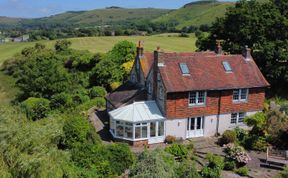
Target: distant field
[(167, 42)]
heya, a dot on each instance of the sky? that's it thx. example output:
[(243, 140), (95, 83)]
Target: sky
[(42, 8)]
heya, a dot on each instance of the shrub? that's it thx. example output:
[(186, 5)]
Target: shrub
[(187, 170), (243, 171), (284, 173), (255, 142), (97, 92), (170, 139), (36, 108), (215, 161), (229, 164), (120, 157), (61, 100), (229, 136), (78, 131), (214, 167), (177, 150), (208, 172), (236, 153), (154, 164)]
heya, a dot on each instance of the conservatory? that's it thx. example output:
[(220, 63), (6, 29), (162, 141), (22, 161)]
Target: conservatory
[(139, 121)]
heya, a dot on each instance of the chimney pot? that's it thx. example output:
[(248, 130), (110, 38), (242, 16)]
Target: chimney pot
[(247, 53), (218, 48)]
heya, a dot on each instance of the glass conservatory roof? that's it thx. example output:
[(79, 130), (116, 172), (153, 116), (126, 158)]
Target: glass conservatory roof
[(138, 112)]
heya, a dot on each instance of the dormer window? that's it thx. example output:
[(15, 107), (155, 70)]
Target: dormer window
[(197, 98), (184, 69), (227, 66), (240, 95)]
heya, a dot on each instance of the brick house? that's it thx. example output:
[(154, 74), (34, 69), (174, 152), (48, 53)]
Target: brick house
[(186, 95)]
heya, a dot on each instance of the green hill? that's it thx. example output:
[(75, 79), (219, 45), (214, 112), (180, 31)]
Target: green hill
[(195, 13), (97, 17)]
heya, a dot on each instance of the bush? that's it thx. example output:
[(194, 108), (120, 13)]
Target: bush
[(229, 164), (214, 167), (208, 172), (284, 173), (229, 136), (215, 161), (236, 153), (78, 131), (120, 157), (243, 171), (187, 170), (97, 92), (36, 108), (154, 164), (177, 150), (254, 142), (170, 139), (61, 100)]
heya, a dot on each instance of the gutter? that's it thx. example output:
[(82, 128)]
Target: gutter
[(218, 113)]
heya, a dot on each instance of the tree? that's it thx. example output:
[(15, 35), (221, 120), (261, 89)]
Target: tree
[(122, 52), (62, 45), (42, 75), (105, 73), (261, 26)]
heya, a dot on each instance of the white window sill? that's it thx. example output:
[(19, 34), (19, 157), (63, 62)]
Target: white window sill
[(196, 105), (239, 101)]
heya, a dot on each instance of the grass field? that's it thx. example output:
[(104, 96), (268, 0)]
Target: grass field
[(167, 42)]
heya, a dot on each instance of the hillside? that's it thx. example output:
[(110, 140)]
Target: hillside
[(97, 17), (167, 42), (195, 13)]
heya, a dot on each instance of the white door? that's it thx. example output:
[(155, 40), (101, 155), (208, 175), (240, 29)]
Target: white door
[(195, 127), (156, 132)]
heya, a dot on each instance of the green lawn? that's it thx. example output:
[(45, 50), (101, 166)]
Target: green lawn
[(167, 42)]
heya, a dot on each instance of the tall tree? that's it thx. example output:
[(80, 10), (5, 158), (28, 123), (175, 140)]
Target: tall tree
[(261, 26)]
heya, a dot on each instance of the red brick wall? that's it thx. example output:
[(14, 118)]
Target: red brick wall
[(177, 104)]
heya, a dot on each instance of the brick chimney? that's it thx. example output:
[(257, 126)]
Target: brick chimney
[(218, 49), (155, 72), (247, 53), (139, 55), (140, 49)]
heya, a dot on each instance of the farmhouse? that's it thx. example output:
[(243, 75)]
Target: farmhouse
[(186, 95)]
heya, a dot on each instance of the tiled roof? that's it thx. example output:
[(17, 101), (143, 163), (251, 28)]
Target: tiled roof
[(126, 94), (146, 63), (207, 72)]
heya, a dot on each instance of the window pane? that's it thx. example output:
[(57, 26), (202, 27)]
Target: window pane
[(241, 117), (199, 123), (129, 132), (235, 94), (244, 94), (129, 124), (233, 118), (161, 128), (120, 130), (201, 97), (144, 132), (192, 98), (137, 132), (152, 129), (192, 126)]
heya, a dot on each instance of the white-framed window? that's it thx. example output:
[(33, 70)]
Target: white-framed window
[(197, 98), (240, 95), (141, 130), (237, 118)]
